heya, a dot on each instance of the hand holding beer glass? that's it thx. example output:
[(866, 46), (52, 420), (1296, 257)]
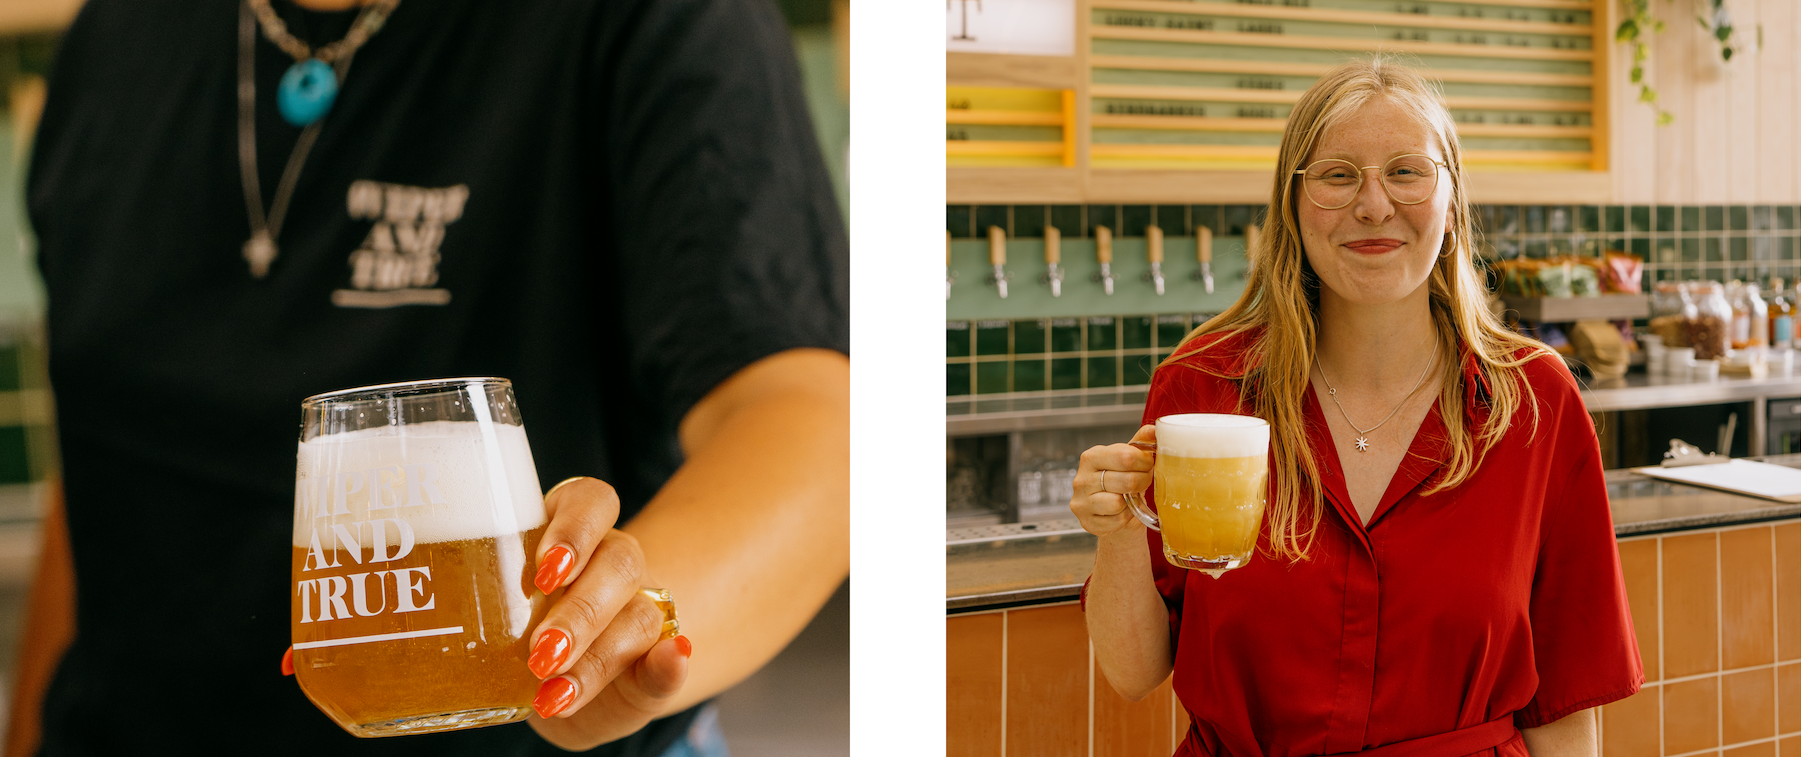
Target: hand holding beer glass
[(428, 570), (1211, 473)]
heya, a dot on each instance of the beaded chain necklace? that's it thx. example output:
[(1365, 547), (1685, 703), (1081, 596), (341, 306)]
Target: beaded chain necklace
[(305, 95)]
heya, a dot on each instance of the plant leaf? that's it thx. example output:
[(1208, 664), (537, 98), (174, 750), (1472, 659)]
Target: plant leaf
[(1647, 95), (1628, 30), (1725, 53), (1638, 74)]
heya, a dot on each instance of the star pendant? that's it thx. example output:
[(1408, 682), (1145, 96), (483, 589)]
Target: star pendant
[(1363, 443)]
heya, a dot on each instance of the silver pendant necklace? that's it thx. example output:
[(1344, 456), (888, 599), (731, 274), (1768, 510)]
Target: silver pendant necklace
[(1363, 442), (260, 250)]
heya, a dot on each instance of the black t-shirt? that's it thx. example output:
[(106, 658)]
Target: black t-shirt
[(615, 204)]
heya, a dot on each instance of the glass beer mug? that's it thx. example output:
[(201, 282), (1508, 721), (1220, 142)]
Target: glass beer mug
[(417, 516), (1212, 479)]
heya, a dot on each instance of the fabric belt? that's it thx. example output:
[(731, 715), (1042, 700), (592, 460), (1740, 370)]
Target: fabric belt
[(1459, 743)]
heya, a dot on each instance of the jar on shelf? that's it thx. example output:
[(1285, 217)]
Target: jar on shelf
[(1706, 319), (1668, 301)]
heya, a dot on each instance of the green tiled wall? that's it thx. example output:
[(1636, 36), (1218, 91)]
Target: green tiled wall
[(1038, 354), (1678, 242), (1023, 353)]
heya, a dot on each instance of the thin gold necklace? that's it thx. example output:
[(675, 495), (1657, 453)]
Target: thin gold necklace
[(1363, 442)]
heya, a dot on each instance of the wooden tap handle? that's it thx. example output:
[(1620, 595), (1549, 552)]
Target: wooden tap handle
[(1251, 233), (1103, 244), (1203, 244), (997, 246), (1053, 245), (1153, 243)]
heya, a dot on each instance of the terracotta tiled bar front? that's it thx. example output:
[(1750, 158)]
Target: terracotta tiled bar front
[(1714, 581)]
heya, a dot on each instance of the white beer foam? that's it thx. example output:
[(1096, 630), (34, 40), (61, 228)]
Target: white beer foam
[(1212, 435), (474, 507)]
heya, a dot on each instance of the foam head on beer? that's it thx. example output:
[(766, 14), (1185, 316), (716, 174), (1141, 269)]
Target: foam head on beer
[(449, 480), (1207, 435)]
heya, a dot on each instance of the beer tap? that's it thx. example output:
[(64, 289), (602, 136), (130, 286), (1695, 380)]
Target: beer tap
[(1153, 247), (1103, 251), (1053, 254), (1203, 249), (997, 256), (950, 276)]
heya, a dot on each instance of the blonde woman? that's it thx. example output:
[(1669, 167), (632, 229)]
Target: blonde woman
[(1438, 575)]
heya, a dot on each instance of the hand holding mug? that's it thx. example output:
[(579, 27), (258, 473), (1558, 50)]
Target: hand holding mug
[(1104, 476), (1212, 477)]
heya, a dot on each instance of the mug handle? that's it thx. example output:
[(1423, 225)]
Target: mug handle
[(1135, 500)]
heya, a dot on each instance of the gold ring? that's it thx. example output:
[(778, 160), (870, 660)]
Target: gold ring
[(563, 483), (665, 601), (1103, 480)]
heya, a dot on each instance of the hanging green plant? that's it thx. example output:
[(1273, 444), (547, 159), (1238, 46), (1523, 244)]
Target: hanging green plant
[(1719, 26), (1636, 25)]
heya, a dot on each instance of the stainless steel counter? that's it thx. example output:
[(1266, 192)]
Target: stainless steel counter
[(1022, 564), (1028, 411)]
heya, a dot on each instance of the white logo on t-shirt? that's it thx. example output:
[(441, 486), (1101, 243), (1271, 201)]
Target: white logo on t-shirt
[(397, 263)]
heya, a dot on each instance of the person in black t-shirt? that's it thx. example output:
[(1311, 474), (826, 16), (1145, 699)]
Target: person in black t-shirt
[(619, 205)]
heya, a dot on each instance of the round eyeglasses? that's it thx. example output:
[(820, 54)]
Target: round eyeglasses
[(1332, 183)]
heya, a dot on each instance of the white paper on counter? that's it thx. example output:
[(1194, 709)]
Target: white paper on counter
[(1776, 482)]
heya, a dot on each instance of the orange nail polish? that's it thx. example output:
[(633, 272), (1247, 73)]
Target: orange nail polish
[(287, 662), (683, 645), (553, 697), (554, 568), (549, 653)]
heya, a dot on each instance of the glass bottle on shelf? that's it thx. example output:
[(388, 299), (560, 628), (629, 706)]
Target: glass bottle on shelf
[(1759, 312), (1031, 488), (1705, 327), (1738, 325), (1782, 316)]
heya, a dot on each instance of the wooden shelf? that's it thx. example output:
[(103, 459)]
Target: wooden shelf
[(1251, 39), (1003, 117), (1278, 68), (1290, 97), (1360, 18), (1607, 307)]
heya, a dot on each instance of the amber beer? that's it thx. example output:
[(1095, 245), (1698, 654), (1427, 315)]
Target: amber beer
[(412, 558), (1211, 480)]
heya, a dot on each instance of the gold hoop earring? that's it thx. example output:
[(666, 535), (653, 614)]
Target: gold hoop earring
[(1449, 248)]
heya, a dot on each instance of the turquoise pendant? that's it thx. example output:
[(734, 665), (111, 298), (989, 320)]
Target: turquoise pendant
[(307, 91)]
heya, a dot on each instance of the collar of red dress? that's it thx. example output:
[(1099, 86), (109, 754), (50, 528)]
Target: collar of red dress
[(1232, 355)]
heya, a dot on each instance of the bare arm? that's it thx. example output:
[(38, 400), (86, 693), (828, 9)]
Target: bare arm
[(1127, 620), (49, 627), (1573, 736), (752, 535)]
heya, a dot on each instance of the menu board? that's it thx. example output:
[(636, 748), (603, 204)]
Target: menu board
[(1180, 84), (1207, 86)]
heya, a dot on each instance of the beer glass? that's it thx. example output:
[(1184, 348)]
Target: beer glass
[(417, 516), (1212, 478)]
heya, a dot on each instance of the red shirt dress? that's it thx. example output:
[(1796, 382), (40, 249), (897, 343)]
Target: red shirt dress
[(1436, 630)]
